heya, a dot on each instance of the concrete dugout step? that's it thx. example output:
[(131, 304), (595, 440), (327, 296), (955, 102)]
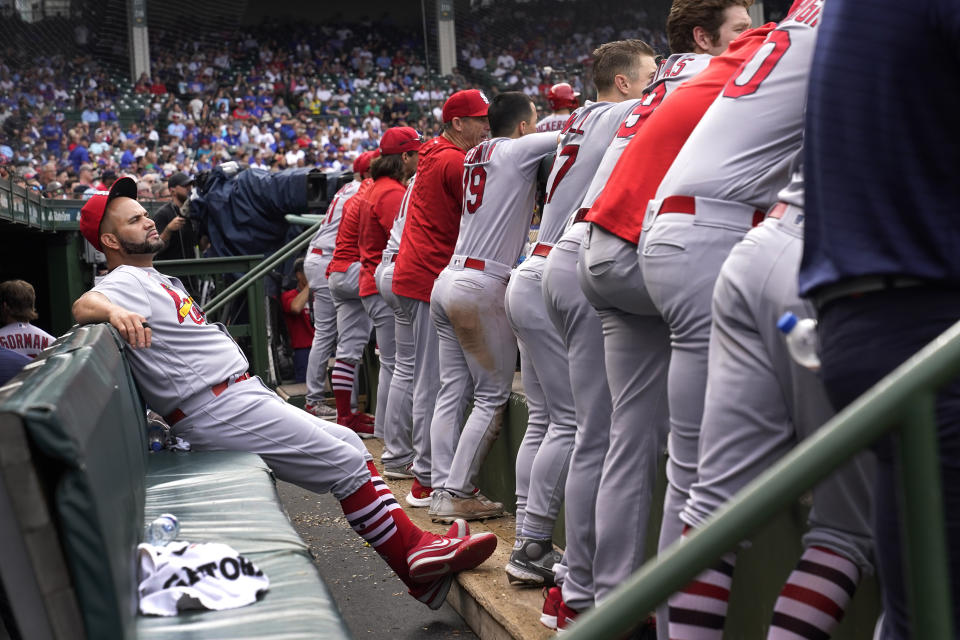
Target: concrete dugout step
[(493, 608)]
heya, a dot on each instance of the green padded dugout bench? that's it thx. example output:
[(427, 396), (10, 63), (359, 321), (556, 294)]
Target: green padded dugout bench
[(77, 487)]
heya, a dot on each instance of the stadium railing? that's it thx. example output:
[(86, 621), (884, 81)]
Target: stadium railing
[(905, 401)]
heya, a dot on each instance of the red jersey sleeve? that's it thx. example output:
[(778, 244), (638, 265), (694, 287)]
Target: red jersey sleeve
[(433, 219), (286, 299), (621, 206)]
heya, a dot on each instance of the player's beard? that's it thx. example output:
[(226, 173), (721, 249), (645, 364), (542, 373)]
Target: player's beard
[(145, 247)]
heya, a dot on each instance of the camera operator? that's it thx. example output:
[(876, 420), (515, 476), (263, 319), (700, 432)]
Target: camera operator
[(178, 232)]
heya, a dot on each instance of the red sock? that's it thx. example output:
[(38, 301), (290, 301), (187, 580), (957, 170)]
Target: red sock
[(374, 514), (815, 597), (699, 610), (341, 380)]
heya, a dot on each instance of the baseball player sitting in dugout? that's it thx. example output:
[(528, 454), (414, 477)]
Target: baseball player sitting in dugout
[(193, 373)]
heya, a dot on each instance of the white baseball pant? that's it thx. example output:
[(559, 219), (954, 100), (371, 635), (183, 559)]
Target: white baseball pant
[(353, 323), (383, 323), (478, 355), (544, 455), (315, 454), (681, 259), (759, 402), (636, 345), (580, 329), (324, 326), (426, 379), (398, 411)]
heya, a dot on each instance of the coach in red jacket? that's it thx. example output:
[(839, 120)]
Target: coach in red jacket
[(428, 240)]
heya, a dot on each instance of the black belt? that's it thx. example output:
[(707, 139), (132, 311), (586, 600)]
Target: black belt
[(854, 287)]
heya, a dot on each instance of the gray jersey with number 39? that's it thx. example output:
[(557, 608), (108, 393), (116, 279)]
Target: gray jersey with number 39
[(499, 190)]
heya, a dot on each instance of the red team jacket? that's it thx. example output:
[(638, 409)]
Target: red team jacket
[(621, 206), (299, 325), (433, 219), (377, 211), (347, 251)]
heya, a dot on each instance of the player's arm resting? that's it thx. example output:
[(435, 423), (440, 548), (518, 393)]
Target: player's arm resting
[(295, 303), (538, 144), (93, 307)]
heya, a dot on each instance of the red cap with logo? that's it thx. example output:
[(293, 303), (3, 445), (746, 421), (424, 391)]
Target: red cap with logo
[(399, 139), (362, 164), (91, 214), (470, 103)]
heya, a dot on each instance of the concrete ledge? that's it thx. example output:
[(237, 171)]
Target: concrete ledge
[(493, 608)]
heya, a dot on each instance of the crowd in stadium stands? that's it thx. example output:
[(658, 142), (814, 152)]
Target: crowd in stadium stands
[(277, 96)]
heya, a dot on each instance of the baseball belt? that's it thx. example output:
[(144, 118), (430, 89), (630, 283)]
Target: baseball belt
[(177, 415), (541, 249), (688, 205)]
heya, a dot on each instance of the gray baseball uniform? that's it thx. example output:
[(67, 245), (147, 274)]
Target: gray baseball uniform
[(581, 148), (324, 312), (544, 455), (187, 356), (725, 177), (552, 122), (478, 351), (353, 323), (759, 402), (636, 344), (398, 449)]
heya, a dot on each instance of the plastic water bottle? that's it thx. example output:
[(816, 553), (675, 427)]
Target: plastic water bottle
[(801, 339), (163, 530), (157, 435)]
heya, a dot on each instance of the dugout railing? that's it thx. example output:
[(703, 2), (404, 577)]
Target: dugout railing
[(905, 401)]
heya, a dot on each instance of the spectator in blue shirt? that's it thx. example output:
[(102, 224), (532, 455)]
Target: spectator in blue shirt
[(52, 133), (90, 116), (108, 114), (881, 258), (79, 155)]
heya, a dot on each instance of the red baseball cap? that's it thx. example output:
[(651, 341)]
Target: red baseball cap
[(399, 139), (91, 214), (470, 103), (362, 164)]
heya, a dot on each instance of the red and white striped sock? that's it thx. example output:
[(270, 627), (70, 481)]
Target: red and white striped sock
[(341, 380), (699, 610), (374, 514), (815, 597)]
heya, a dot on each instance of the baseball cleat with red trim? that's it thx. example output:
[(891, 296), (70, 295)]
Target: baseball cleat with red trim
[(552, 597), (433, 594), (436, 556), (354, 421)]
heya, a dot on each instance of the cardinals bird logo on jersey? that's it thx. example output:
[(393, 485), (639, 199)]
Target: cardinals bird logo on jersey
[(185, 306)]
